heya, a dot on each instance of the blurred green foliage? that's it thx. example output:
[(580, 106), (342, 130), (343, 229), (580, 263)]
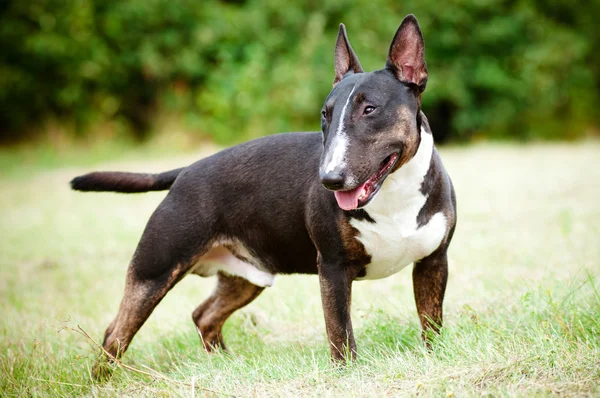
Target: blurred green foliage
[(233, 70)]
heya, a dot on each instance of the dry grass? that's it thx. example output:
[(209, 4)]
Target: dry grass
[(522, 307)]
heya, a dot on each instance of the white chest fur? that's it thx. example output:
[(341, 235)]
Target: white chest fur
[(395, 240)]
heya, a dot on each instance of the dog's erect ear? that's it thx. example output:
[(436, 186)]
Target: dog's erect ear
[(406, 57), (345, 59)]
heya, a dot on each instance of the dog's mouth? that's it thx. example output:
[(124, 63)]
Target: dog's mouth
[(365, 192)]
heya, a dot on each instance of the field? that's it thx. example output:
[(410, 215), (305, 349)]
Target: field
[(522, 310)]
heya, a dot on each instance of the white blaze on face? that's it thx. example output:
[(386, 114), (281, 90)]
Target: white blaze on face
[(339, 146), (336, 157)]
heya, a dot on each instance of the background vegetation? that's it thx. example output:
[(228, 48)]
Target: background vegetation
[(231, 70)]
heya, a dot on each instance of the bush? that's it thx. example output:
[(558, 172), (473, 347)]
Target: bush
[(240, 69)]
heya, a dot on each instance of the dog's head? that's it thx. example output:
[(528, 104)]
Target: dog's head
[(370, 121)]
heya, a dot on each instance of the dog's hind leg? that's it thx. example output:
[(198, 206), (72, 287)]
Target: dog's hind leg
[(165, 254), (231, 294), (139, 300)]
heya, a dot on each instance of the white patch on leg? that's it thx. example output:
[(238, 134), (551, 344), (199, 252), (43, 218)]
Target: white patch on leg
[(219, 258), (395, 240)]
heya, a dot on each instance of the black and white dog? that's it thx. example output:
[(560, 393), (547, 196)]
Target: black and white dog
[(362, 200)]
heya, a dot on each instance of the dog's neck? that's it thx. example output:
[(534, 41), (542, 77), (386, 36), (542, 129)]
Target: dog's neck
[(403, 187)]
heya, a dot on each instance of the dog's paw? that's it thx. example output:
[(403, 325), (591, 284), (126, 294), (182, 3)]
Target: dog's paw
[(102, 370)]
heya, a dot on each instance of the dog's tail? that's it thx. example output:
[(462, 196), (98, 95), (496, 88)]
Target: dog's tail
[(117, 181)]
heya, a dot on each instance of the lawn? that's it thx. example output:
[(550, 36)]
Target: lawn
[(522, 309)]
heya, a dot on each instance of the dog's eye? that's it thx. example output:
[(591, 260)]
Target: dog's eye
[(368, 110)]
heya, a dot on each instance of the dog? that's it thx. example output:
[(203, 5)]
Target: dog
[(363, 199)]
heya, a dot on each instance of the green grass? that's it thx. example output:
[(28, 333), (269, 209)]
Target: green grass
[(522, 310)]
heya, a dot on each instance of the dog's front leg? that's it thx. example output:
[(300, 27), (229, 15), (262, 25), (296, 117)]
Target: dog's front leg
[(336, 287), (430, 276)]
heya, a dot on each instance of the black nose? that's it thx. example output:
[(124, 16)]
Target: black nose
[(333, 180)]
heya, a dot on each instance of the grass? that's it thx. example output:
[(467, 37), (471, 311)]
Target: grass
[(522, 310)]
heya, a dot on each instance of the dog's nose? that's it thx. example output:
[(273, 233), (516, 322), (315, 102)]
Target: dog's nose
[(333, 180)]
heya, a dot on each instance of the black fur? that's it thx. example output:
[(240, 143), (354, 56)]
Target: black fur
[(118, 181), (264, 202)]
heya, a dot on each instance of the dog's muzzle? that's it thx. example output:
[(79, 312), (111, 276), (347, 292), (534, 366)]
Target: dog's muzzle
[(333, 180)]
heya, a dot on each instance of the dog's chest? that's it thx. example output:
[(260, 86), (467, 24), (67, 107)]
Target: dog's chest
[(395, 239)]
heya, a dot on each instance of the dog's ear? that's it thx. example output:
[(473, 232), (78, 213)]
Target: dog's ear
[(345, 58), (406, 57)]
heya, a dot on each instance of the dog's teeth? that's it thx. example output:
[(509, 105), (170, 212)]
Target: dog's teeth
[(363, 194)]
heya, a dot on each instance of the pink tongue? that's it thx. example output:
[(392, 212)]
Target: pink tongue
[(348, 200)]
